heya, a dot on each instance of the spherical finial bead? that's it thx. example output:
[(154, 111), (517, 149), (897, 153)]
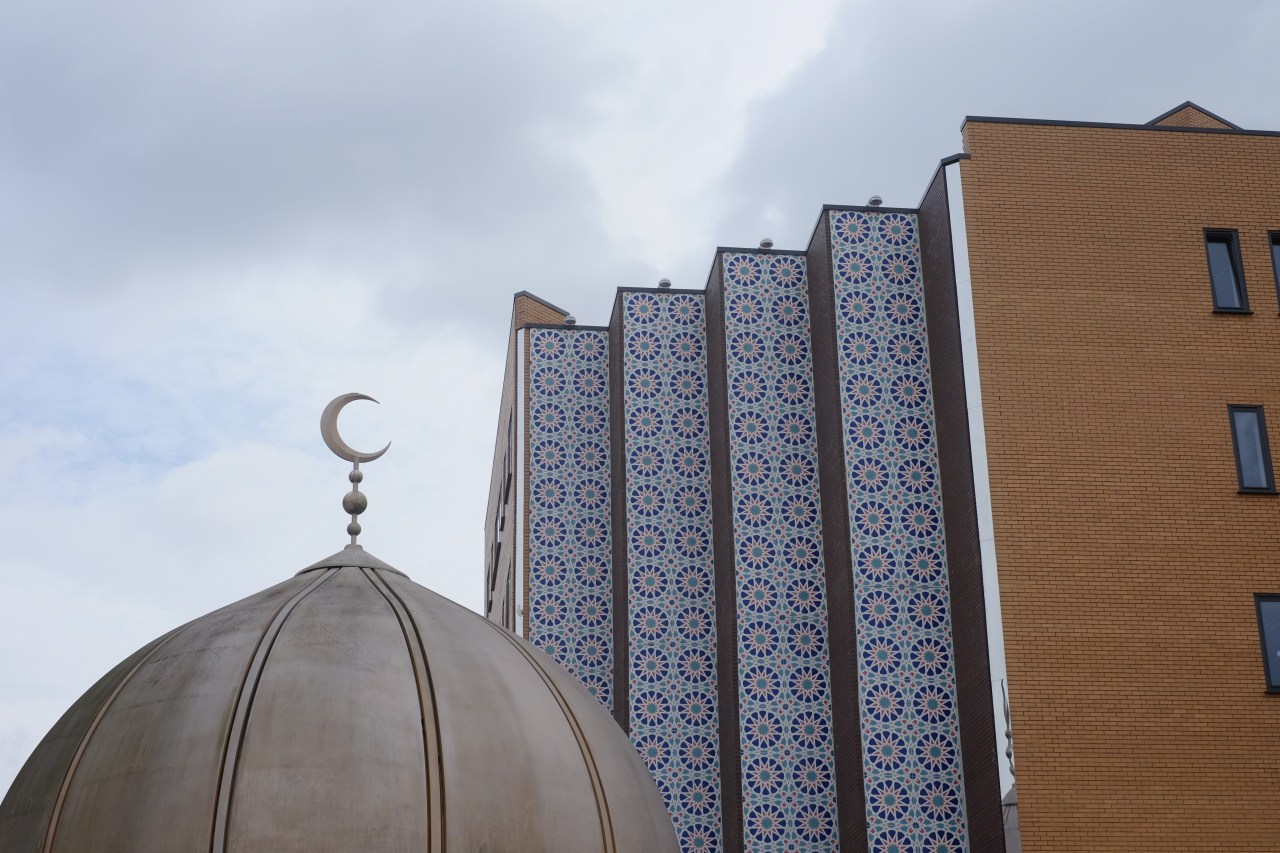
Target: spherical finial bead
[(354, 502), (353, 529), (356, 476)]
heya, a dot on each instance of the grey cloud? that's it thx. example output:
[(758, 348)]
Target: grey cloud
[(176, 176), (883, 102), (416, 147)]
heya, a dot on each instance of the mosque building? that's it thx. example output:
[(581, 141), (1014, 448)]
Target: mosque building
[(344, 709), (760, 520), (741, 548)]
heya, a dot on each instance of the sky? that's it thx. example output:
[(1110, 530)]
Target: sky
[(214, 218)]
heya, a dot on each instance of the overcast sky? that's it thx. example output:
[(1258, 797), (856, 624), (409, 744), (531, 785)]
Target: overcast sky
[(215, 217)]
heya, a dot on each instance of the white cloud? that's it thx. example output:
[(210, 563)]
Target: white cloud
[(673, 118), (218, 217), (173, 464)]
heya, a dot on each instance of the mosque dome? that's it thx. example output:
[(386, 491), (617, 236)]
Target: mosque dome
[(346, 709)]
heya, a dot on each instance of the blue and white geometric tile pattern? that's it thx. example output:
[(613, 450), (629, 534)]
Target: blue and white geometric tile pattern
[(671, 600), (906, 674), (569, 545), (788, 780)]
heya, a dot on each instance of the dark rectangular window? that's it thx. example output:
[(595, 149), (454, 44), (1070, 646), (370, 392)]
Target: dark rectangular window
[(1275, 258), (1226, 271), (1253, 454), (1269, 633)]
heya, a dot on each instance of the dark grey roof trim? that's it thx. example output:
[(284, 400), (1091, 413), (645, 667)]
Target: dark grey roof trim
[(720, 250), (863, 208), (539, 300), (1182, 106), (942, 164), (1161, 128), (662, 290)]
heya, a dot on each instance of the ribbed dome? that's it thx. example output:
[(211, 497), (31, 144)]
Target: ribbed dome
[(346, 709)]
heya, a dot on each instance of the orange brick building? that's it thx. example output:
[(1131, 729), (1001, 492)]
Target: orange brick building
[(1129, 545), (1092, 318)]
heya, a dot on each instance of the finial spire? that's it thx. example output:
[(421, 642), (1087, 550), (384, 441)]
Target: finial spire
[(353, 502), (1008, 728)]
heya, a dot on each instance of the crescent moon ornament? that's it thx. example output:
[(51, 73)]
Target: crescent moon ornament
[(354, 502), (329, 430)]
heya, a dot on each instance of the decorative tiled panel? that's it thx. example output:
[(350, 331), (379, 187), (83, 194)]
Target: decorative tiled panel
[(788, 779), (670, 592), (569, 548), (906, 677)]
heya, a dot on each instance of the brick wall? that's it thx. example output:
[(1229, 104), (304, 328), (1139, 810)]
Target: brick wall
[(529, 309), (1191, 117), (1128, 562)]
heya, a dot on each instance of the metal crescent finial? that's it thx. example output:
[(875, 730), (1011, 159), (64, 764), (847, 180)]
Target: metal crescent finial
[(353, 502), (329, 430)]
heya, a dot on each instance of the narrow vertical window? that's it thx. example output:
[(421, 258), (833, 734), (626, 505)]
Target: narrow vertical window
[(1253, 454), (1225, 271), (1275, 258), (1269, 634)]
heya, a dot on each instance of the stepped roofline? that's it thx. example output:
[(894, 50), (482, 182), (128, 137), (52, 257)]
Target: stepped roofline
[(1155, 124)]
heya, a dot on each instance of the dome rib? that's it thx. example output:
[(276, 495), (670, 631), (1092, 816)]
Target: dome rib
[(244, 704), (431, 745), (593, 771), (52, 831)]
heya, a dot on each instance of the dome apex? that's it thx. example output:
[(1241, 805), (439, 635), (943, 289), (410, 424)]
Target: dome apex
[(354, 556)]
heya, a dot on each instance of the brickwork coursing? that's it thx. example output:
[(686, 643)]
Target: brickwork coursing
[(1191, 117), (1127, 560), (529, 310)]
